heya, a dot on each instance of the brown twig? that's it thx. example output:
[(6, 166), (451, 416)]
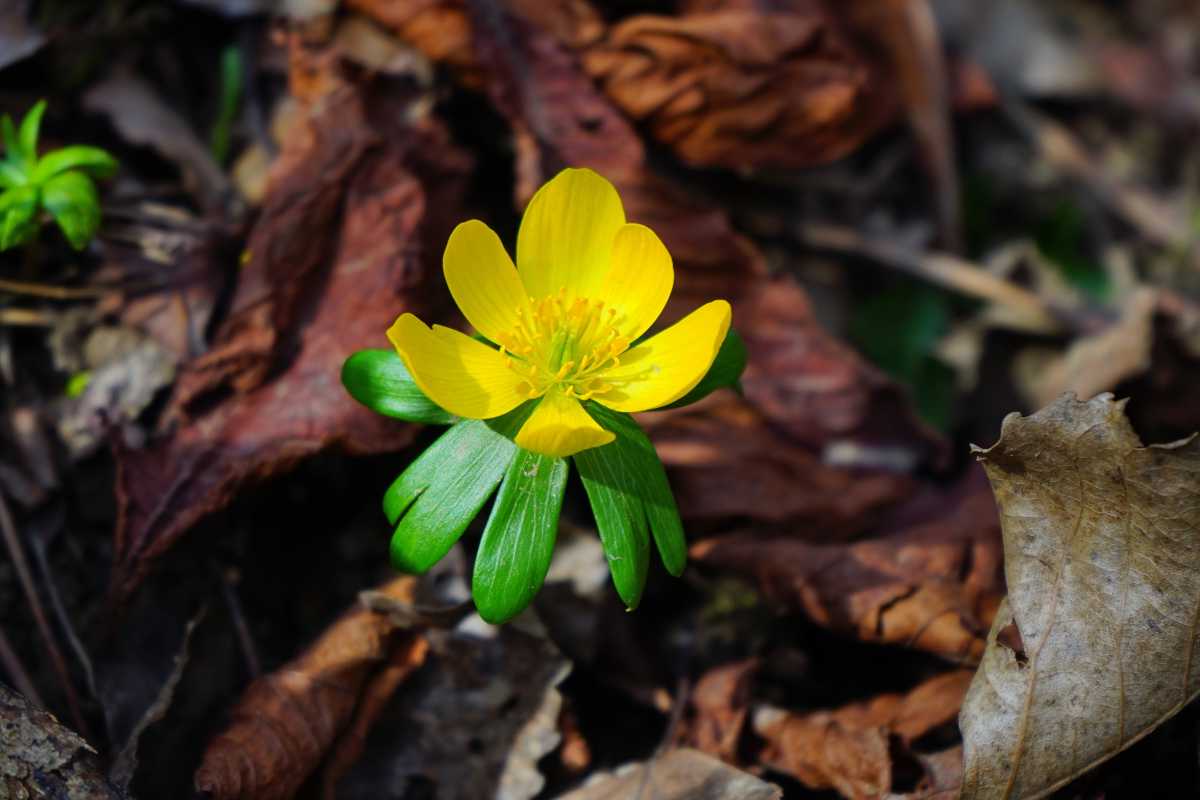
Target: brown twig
[(51, 292), (38, 545), (228, 578), (950, 272), (26, 318), (17, 554)]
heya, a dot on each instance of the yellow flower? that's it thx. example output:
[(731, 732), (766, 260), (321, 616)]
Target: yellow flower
[(585, 286)]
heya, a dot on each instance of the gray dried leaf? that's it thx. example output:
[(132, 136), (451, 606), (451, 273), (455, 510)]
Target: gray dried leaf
[(683, 774), (144, 118), (1096, 645), (473, 724), (127, 369), (18, 38)]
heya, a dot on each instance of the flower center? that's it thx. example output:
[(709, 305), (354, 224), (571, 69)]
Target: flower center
[(566, 344)]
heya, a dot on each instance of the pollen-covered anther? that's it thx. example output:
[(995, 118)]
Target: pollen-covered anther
[(564, 342)]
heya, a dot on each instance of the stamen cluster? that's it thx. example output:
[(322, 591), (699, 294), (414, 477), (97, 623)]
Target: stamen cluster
[(566, 344)]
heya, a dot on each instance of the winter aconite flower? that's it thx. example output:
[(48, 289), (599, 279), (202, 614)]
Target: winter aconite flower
[(566, 320), (560, 361)]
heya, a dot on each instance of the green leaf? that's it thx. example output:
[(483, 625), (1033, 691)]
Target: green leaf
[(8, 133), (71, 199), (726, 370), (11, 175), (436, 498), (18, 196), (379, 380), (630, 497), (77, 384), (898, 330), (621, 522), (27, 137), (1063, 238), (518, 541), (18, 211), (92, 160), (230, 93)]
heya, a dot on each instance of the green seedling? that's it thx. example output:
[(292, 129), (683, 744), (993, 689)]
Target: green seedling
[(58, 185)]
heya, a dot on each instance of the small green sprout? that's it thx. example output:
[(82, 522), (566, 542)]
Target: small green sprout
[(59, 184), (77, 384)]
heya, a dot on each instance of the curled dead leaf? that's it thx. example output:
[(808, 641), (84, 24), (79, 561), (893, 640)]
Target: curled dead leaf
[(1103, 569), (929, 579), (287, 721), (849, 748), (743, 88)]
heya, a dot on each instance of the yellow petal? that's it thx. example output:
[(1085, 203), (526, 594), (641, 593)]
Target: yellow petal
[(669, 364), (483, 280), (560, 427), (461, 375), (566, 235), (639, 281)]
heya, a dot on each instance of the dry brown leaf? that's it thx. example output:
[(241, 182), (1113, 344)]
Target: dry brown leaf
[(287, 721), (718, 709), (848, 749), (1096, 643), (744, 88), (41, 758), (929, 578), (679, 775), (444, 30), (1096, 362), (727, 462), (440, 29), (294, 323), (375, 697), (295, 237), (736, 87)]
